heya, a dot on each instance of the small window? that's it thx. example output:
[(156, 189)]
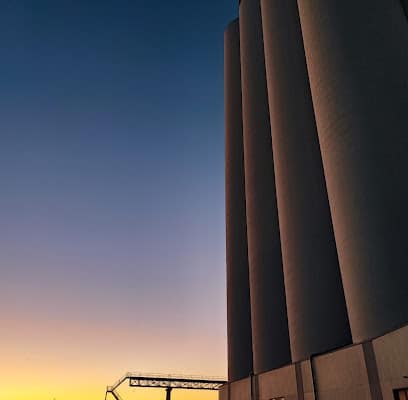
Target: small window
[(401, 394)]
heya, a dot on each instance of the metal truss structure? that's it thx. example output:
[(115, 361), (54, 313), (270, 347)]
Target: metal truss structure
[(167, 382)]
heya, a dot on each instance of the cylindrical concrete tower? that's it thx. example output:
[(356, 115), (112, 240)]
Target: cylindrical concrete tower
[(238, 300), (270, 337), (317, 312), (357, 58)]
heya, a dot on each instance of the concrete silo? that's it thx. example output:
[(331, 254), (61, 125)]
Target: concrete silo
[(316, 307), (357, 58), (238, 300), (270, 338)]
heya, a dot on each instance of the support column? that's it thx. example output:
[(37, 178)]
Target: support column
[(238, 298), (270, 336), (168, 393), (299, 382), (357, 58), (317, 312)]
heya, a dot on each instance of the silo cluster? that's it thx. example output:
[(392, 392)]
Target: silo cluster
[(316, 105)]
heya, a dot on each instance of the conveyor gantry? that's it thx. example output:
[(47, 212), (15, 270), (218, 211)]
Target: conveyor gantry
[(168, 382)]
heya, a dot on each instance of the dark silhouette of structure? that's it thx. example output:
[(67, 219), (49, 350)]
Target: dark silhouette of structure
[(325, 148), (239, 306), (270, 337), (167, 382)]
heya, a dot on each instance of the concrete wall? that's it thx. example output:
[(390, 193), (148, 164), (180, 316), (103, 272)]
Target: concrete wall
[(223, 393), (367, 371), (278, 383), (371, 370), (270, 337), (342, 375), (357, 59), (317, 313), (241, 390), (391, 353), (307, 381), (238, 298)]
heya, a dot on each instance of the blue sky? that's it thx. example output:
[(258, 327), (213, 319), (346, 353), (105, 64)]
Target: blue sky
[(112, 169)]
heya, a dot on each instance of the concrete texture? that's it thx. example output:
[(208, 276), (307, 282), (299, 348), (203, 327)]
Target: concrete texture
[(223, 393), (372, 371), (391, 353), (307, 380), (241, 390), (316, 306), (238, 300), (357, 58), (368, 371), (270, 337), (278, 383), (342, 375)]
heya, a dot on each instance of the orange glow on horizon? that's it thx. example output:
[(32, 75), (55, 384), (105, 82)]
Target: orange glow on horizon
[(29, 390), (62, 360)]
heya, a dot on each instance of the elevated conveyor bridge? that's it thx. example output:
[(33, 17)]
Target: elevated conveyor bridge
[(167, 382)]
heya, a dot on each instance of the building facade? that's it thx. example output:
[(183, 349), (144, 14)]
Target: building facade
[(316, 105)]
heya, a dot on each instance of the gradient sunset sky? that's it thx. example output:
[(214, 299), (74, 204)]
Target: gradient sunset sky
[(112, 244)]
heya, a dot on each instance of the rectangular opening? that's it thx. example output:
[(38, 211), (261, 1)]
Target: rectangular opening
[(401, 394)]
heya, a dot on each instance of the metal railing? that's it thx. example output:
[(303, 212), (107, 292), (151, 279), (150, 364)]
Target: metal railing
[(166, 381)]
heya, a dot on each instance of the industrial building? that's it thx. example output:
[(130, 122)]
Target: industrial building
[(316, 142)]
